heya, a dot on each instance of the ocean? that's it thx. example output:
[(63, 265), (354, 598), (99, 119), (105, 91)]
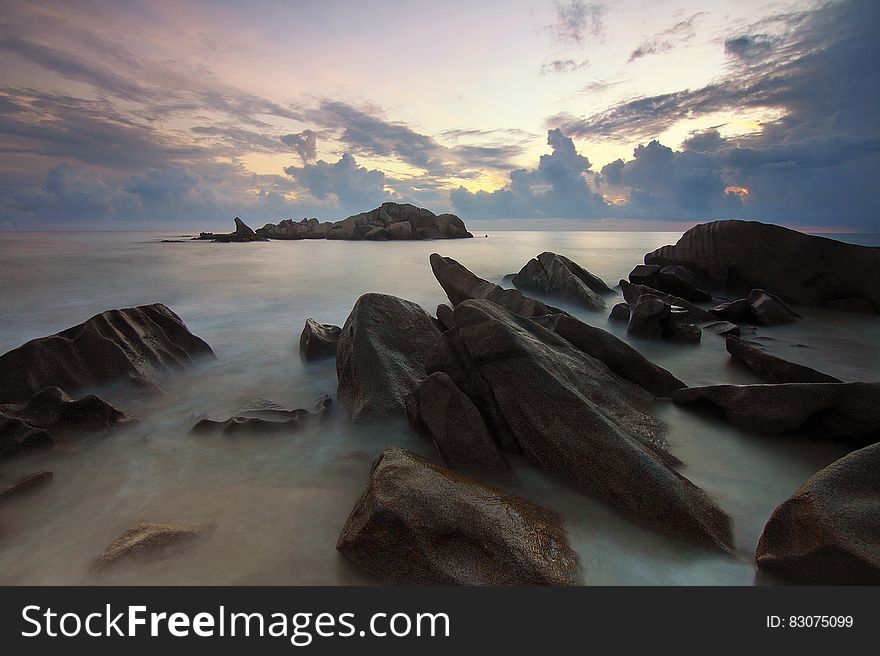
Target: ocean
[(276, 503)]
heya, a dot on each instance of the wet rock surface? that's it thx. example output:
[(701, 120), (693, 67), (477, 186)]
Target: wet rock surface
[(772, 368), (556, 276), (148, 541), (27, 484), (318, 340)]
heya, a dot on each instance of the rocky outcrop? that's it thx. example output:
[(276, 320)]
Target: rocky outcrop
[(672, 279), (772, 368), (460, 285), (556, 276), (801, 269), (264, 417), (242, 233), (17, 436), (456, 426), (380, 356), (26, 484), (444, 316), (770, 310), (722, 328), (651, 317), (133, 345), (148, 541), (574, 418), (828, 532), (390, 221), (318, 340), (838, 411), (738, 311), (631, 294), (620, 312), (420, 524)]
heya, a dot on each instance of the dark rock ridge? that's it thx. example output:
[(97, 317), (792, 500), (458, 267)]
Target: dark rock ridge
[(265, 417), (574, 418), (148, 541), (380, 356), (770, 310), (318, 340), (672, 279), (17, 436), (773, 368), (454, 423), (799, 268), (460, 284), (838, 411), (444, 316), (558, 277), (132, 345), (631, 294), (390, 221), (242, 233), (828, 532), (420, 524), (652, 317), (26, 484)]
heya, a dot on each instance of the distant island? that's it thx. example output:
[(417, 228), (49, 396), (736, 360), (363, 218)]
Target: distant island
[(389, 221)]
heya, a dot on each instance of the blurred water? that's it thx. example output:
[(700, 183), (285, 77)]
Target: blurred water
[(276, 504)]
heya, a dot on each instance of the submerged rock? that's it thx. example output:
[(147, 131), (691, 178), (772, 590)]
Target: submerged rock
[(26, 484), (773, 368), (242, 233), (556, 276), (651, 317), (838, 411), (17, 436), (799, 268), (770, 310), (262, 417), (420, 524), (381, 355), (738, 311), (133, 345), (148, 541), (631, 294), (619, 312), (723, 328), (828, 532), (574, 418), (318, 340)]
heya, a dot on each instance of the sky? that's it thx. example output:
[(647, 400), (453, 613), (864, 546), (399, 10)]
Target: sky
[(612, 114)]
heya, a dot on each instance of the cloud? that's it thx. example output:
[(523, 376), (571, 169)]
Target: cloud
[(750, 46), (351, 185), (563, 66), (667, 39), (304, 143), (578, 19)]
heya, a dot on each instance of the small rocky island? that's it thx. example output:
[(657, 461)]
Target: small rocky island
[(389, 221)]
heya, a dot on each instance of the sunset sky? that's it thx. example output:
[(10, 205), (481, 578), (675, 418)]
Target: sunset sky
[(628, 114)]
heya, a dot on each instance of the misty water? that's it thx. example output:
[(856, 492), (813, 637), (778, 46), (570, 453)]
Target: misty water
[(276, 503)]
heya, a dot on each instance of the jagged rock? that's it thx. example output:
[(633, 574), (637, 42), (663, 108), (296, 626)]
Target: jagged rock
[(685, 333), (738, 311), (632, 292), (556, 276), (420, 524), (862, 305), (17, 436), (455, 425), (460, 284), (148, 541), (773, 368), (380, 356), (723, 328), (644, 274), (26, 484), (619, 312), (574, 418), (828, 532), (264, 417), (648, 317), (132, 345), (444, 316), (672, 279), (318, 340), (770, 310), (839, 411), (799, 268), (242, 233)]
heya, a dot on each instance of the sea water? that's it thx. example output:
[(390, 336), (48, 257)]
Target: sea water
[(275, 504)]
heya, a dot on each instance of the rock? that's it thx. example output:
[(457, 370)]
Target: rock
[(26, 484), (862, 305), (772, 368), (444, 316), (722, 328), (828, 532), (132, 345), (738, 311), (574, 418), (148, 541), (648, 317), (381, 353), (242, 233), (619, 312), (262, 417), (17, 436), (770, 310), (318, 340), (460, 285), (632, 292), (645, 274), (456, 426), (379, 233), (556, 276), (402, 230), (685, 333), (617, 355), (799, 268), (676, 280), (837, 411), (420, 524)]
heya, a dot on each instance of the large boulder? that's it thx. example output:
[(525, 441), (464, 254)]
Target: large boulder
[(673, 279), (802, 269), (828, 532), (318, 340), (773, 368), (556, 276), (631, 294), (460, 284), (838, 411), (456, 426), (652, 317), (569, 414), (380, 356), (620, 312), (420, 524), (132, 345), (738, 311), (148, 541), (770, 310)]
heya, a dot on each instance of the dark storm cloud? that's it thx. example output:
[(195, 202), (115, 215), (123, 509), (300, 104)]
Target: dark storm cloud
[(667, 39), (578, 19)]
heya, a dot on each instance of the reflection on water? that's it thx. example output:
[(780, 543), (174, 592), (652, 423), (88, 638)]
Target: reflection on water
[(276, 503)]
